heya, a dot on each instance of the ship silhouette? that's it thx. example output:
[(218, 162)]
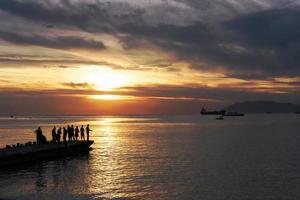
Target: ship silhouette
[(215, 112)]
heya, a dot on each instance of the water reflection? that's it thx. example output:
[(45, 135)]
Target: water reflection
[(108, 172), (170, 158), (40, 179)]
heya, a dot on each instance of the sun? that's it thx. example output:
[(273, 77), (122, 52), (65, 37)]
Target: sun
[(105, 79)]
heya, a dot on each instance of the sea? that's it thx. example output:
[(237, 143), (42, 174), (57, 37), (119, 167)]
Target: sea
[(161, 157)]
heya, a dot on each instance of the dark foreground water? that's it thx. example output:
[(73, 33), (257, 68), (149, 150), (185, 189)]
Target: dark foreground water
[(163, 157)]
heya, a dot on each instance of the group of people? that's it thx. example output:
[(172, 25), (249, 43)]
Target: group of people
[(69, 131)]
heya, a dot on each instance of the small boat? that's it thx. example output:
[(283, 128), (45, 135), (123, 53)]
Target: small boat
[(30, 152), (220, 118)]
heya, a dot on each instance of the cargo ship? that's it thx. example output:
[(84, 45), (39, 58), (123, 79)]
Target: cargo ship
[(32, 152), (216, 112), (233, 114)]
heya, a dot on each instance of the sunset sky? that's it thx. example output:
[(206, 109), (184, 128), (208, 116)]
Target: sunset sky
[(146, 56)]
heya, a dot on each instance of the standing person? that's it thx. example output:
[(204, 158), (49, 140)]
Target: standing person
[(65, 132), (40, 138), (72, 132), (76, 133), (82, 133), (38, 133), (58, 134), (54, 134), (69, 133), (87, 129)]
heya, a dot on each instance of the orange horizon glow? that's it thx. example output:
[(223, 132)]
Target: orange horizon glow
[(119, 81)]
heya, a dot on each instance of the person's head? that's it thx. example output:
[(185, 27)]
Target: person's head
[(39, 128), (88, 125)]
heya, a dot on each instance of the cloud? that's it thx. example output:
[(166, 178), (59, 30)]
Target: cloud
[(146, 99), (79, 85), (58, 42), (92, 16), (218, 94), (10, 60), (247, 39), (274, 38), (226, 93), (260, 45)]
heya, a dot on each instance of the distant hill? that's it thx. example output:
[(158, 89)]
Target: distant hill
[(264, 106)]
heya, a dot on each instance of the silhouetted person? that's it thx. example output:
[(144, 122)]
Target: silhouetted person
[(87, 129), (38, 133), (82, 133), (58, 135), (43, 139), (76, 133), (54, 134), (72, 132), (69, 133), (40, 138), (65, 132)]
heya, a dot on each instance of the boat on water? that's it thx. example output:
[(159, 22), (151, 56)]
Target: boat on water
[(215, 112), (31, 152), (233, 114), (220, 118)]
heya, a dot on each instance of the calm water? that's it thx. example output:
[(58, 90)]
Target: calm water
[(163, 157)]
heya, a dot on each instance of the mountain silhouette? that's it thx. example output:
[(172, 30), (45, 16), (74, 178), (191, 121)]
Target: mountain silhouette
[(263, 107)]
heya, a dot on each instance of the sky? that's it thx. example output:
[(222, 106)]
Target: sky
[(146, 56)]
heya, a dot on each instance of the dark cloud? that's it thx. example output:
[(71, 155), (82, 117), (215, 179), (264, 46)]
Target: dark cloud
[(89, 16), (259, 45), (49, 25), (248, 39), (39, 11), (221, 94), (58, 42), (51, 62), (281, 24), (274, 38), (64, 66), (78, 85)]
